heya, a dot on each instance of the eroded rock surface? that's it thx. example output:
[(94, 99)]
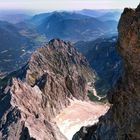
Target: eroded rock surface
[(122, 121), (55, 74)]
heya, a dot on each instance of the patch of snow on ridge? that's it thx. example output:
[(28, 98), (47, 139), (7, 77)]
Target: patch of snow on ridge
[(78, 114)]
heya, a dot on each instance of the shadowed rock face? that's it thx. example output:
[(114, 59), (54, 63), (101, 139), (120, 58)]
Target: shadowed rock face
[(122, 121), (54, 74)]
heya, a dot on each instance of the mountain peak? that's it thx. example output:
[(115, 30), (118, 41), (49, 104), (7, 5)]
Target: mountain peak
[(138, 8), (57, 56), (54, 75), (57, 42)]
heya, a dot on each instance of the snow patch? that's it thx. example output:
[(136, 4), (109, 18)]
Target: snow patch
[(78, 114)]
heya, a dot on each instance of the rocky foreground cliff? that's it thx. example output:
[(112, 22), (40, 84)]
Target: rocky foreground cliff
[(54, 74), (122, 121)]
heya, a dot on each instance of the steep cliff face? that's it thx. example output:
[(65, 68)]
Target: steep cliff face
[(55, 74), (122, 121)]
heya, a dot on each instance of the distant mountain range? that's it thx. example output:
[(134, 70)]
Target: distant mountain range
[(15, 16), (105, 14), (72, 26), (110, 16), (24, 33)]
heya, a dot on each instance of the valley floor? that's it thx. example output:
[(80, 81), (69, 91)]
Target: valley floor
[(78, 114)]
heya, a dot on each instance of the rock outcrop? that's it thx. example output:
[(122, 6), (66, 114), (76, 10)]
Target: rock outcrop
[(122, 121), (55, 74)]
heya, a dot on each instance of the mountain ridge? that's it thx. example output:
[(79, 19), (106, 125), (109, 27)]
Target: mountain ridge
[(54, 75)]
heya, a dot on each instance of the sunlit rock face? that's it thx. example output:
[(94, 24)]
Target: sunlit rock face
[(54, 75), (122, 121), (24, 116)]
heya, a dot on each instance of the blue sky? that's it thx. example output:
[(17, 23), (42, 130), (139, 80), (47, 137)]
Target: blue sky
[(42, 5)]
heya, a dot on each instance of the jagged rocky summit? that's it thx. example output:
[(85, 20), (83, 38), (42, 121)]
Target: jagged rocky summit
[(122, 121), (54, 75)]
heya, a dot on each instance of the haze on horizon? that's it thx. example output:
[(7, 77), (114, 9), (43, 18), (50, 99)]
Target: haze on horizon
[(50, 5)]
